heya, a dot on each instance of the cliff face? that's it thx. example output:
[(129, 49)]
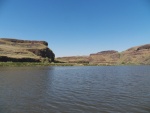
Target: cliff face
[(105, 57), (74, 59), (24, 50)]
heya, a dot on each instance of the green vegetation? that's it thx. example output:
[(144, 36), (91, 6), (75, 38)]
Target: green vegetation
[(22, 64), (18, 64)]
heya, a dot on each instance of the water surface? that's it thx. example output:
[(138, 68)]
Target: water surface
[(96, 89)]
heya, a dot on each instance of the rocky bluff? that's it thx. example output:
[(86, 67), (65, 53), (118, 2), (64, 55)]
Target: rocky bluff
[(24, 51)]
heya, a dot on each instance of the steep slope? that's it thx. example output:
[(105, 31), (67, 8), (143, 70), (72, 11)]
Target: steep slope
[(136, 55), (24, 50)]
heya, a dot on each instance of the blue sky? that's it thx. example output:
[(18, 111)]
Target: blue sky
[(77, 27)]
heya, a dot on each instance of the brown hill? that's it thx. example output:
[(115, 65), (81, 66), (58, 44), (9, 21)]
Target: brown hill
[(134, 55), (24, 50), (109, 57), (74, 59)]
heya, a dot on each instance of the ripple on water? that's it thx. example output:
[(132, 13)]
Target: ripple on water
[(94, 89)]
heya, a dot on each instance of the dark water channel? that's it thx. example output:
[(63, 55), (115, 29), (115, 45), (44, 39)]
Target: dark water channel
[(97, 89)]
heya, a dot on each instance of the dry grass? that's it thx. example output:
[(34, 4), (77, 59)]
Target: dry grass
[(19, 50), (74, 59), (135, 55)]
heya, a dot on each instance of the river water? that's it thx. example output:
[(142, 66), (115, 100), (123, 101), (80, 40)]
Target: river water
[(91, 89)]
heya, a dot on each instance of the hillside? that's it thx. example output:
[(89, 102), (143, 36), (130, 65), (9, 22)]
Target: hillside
[(110, 57), (74, 59), (24, 50), (135, 55)]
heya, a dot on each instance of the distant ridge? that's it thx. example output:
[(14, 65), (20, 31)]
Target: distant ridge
[(138, 55)]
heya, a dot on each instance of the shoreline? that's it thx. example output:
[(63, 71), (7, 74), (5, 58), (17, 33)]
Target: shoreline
[(21, 64)]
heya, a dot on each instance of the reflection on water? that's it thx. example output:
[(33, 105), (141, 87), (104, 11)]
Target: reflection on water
[(75, 89)]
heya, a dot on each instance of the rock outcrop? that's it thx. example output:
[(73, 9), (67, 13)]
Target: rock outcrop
[(109, 57), (24, 50), (74, 59)]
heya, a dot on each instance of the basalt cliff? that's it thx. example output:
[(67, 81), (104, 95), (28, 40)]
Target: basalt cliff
[(15, 50), (139, 55)]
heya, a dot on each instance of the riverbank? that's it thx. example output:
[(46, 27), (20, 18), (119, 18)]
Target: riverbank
[(18, 64)]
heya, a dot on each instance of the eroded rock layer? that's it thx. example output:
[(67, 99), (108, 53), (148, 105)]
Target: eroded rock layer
[(24, 50)]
